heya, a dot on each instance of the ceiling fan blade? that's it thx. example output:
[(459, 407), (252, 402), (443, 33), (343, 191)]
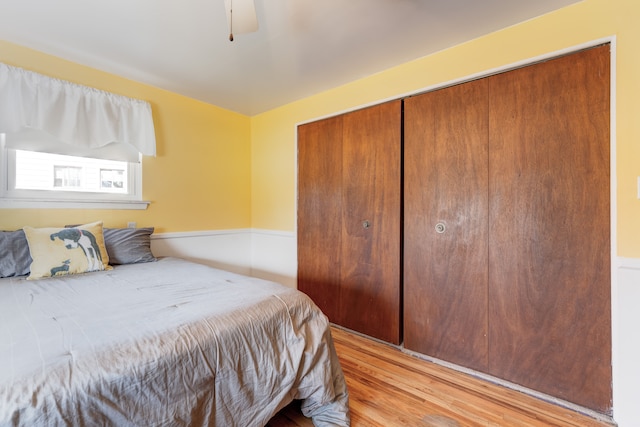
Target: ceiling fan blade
[(244, 16)]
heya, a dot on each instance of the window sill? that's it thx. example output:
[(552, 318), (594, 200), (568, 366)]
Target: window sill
[(72, 204)]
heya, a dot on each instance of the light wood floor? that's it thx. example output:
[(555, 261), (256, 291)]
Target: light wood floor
[(389, 388)]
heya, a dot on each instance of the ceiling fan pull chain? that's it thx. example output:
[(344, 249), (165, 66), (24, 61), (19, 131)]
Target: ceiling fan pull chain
[(231, 21)]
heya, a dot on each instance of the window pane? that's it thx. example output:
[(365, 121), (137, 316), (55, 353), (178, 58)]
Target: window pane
[(112, 179), (67, 176), (43, 171)]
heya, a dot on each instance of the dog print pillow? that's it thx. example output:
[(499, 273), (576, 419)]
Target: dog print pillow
[(61, 251)]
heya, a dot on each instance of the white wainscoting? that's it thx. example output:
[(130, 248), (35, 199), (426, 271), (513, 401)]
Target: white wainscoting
[(265, 254), (225, 249), (274, 256), (626, 343)]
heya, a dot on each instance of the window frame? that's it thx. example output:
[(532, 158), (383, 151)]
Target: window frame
[(10, 197)]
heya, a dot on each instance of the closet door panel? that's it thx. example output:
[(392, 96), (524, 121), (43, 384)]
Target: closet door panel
[(550, 250), (371, 179), (445, 274), (320, 213)]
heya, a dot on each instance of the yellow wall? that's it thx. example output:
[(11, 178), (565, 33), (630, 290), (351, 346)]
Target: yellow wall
[(273, 132), (218, 170), (200, 178)]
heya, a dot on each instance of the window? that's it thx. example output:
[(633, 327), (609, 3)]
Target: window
[(52, 133), (35, 179), (112, 179), (63, 176), (43, 171)]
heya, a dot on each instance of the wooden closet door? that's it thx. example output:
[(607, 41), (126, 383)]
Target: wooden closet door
[(550, 250), (349, 173), (445, 274), (320, 213), (371, 221)]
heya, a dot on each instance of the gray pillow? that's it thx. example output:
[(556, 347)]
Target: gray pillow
[(15, 259), (128, 245)]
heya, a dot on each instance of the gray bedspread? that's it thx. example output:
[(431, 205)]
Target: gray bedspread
[(168, 343)]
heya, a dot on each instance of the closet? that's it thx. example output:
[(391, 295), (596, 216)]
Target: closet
[(505, 225), (506, 216), (349, 224)]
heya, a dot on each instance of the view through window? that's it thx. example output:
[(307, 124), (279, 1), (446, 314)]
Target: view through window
[(43, 171)]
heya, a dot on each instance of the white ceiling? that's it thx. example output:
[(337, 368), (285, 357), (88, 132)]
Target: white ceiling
[(302, 47)]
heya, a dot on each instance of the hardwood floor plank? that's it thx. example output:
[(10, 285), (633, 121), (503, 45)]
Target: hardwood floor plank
[(389, 388)]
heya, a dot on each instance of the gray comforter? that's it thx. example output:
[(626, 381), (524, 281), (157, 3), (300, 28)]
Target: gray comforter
[(169, 343)]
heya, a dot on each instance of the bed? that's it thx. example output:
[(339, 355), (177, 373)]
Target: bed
[(164, 343)]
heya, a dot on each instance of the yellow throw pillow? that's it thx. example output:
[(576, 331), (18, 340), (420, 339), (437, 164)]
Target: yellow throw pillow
[(60, 251)]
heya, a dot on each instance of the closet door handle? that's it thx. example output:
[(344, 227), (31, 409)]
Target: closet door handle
[(440, 228), (366, 224)]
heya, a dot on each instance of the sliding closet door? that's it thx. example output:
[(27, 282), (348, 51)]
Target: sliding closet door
[(370, 285), (549, 259), (445, 225), (349, 218), (320, 212)]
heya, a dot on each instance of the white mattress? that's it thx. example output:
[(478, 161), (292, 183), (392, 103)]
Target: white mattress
[(166, 343)]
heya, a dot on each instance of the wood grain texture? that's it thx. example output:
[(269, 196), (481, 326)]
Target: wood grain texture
[(320, 213), (550, 250), (446, 179), (389, 388), (370, 282), (349, 171), (546, 309)]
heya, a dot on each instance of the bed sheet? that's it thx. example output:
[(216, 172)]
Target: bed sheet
[(168, 343)]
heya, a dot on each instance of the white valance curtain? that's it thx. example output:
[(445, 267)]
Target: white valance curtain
[(40, 113)]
